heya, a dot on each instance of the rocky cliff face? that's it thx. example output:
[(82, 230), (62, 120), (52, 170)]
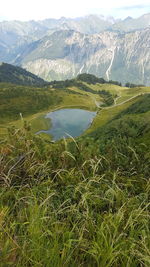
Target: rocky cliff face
[(15, 37), (61, 49), (64, 54)]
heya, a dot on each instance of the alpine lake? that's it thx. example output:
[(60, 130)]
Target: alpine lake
[(68, 122)]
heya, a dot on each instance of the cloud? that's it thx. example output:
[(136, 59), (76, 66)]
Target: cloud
[(135, 7), (40, 9)]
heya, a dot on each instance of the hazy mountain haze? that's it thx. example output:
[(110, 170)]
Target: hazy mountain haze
[(54, 49), (59, 39), (32, 9)]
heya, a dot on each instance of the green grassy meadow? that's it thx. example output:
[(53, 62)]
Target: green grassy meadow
[(71, 204), (80, 202), (71, 97)]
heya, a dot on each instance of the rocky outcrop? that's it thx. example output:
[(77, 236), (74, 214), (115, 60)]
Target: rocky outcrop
[(63, 48), (64, 54)]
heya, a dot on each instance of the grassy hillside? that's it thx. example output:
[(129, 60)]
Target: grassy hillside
[(82, 202), (87, 93), (16, 99), (33, 103), (130, 122), (79, 203), (17, 75)]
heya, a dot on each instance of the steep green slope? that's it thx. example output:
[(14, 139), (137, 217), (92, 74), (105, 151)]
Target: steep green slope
[(16, 99), (17, 75), (131, 123), (79, 203), (141, 106)]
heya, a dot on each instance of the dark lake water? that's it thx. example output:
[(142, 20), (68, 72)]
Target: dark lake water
[(69, 121)]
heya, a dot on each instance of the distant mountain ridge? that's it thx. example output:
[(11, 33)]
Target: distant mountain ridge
[(17, 75), (111, 55), (63, 48)]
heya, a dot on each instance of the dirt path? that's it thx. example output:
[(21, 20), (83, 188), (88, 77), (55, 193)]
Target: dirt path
[(116, 105)]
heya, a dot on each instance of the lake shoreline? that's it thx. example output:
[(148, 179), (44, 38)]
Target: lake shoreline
[(74, 123)]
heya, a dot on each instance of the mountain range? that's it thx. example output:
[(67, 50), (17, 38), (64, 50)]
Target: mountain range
[(63, 48)]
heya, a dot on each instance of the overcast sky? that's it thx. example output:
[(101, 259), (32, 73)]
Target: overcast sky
[(41, 9)]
